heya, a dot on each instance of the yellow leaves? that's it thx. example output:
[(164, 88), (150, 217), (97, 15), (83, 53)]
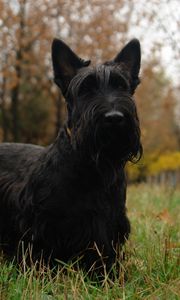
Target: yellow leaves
[(165, 162), (133, 171), (154, 164)]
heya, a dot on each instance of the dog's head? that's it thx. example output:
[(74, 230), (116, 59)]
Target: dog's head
[(102, 114)]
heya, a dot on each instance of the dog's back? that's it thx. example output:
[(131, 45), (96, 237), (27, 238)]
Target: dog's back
[(15, 158), (16, 162)]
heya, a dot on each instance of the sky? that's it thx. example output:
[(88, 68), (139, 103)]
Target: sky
[(165, 29)]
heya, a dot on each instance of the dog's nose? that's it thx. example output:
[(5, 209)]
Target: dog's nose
[(114, 116)]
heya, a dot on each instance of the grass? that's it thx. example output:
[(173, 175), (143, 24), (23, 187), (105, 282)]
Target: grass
[(149, 271)]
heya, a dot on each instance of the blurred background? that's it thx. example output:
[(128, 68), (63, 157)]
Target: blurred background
[(31, 107)]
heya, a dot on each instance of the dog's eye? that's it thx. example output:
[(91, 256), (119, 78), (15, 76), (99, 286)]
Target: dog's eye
[(118, 82), (89, 85)]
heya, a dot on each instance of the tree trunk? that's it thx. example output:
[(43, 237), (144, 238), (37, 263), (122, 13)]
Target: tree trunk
[(15, 98), (18, 70), (3, 110)]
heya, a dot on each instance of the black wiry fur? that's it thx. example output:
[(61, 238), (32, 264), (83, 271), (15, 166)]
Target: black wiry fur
[(69, 199)]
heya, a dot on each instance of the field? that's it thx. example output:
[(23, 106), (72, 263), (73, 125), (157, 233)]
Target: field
[(149, 271)]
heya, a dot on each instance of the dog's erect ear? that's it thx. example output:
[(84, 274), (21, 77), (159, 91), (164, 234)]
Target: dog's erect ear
[(130, 55), (65, 64)]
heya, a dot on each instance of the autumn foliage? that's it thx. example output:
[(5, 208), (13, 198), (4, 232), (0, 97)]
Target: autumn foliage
[(31, 108)]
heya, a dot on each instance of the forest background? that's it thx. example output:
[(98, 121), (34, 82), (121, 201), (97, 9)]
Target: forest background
[(31, 107)]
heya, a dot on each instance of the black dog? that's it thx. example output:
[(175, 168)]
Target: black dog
[(68, 200)]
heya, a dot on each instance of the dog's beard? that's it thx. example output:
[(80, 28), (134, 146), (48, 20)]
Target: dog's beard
[(108, 142)]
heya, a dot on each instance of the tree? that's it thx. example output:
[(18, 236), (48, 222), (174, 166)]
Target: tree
[(156, 109), (25, 71)]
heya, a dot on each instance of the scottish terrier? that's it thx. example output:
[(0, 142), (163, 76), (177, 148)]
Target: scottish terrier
[(68, 200)]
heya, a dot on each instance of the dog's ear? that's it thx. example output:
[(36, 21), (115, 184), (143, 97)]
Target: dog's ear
[(65, 64), (130, 55)]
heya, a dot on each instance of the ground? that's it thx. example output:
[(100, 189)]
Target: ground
[(150, 269)]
